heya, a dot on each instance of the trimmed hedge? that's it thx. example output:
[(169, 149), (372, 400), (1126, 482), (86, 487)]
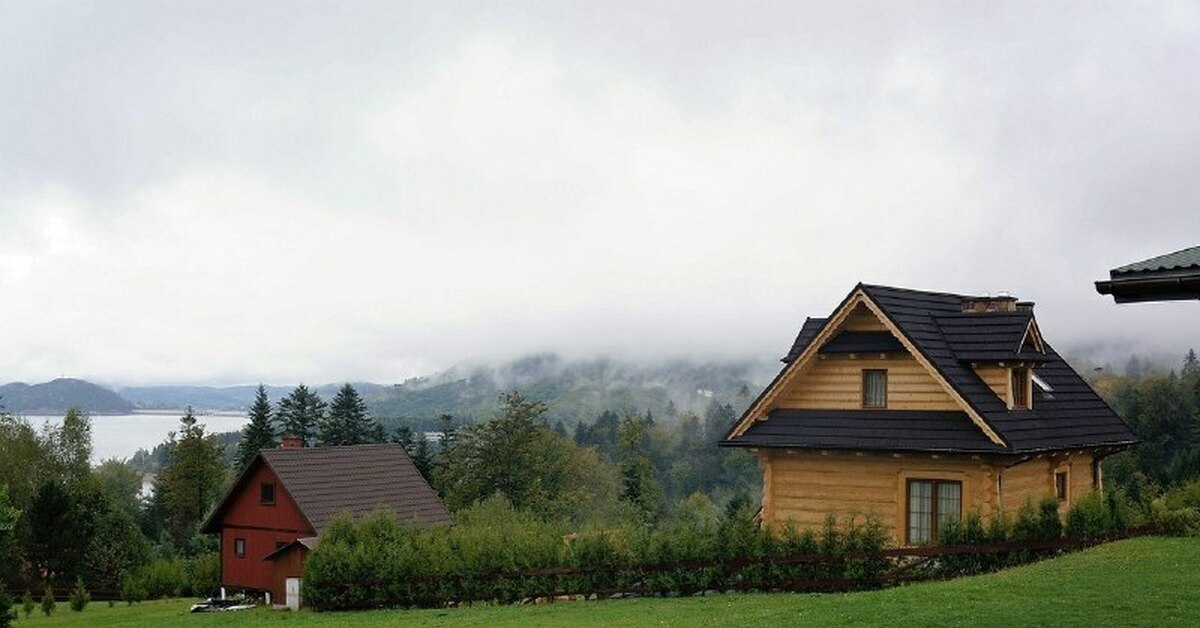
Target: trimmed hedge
[(497, 554)]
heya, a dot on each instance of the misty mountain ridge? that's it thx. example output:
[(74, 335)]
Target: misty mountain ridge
[(57, 396), (574, 389)]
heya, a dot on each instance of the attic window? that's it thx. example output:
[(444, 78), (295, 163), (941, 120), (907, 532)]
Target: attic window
[(266, 493), (874, 388), (1020, 389)]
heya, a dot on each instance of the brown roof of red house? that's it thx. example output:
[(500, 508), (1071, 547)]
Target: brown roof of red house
[(358, 479)]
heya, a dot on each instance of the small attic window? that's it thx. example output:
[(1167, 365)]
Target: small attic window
[(874, 388), (1020, 389)]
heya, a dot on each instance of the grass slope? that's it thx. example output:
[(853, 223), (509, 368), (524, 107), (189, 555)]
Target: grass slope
[(1138, 582)]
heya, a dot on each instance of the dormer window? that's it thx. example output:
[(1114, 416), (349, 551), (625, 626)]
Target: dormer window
[(1020, 388), (874, 388)]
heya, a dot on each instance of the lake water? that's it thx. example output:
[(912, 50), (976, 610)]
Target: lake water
[(121, 435)]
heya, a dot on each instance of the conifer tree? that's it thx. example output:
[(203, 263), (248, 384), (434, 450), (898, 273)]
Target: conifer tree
[(300, 414), (347, 422), (258, 433)]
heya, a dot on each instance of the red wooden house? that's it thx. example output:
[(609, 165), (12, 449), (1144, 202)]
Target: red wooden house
[(293, 492)]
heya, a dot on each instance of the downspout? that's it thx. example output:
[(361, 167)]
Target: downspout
[(1097, 480)]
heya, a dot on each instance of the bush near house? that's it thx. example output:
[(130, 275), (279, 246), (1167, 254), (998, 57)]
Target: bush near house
[(499, 554)]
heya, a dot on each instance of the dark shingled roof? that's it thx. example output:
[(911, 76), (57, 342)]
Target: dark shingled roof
[(1171, 277), (885, 430), (1179, 260), (358, 479), (988, 336), (1071, 415), (308, 543), (807, 332)]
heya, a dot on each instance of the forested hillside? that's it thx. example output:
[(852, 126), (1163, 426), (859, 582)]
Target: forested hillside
[(575, 391), (57, 396)]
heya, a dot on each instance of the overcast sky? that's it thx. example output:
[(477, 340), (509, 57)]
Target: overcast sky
[(245, 191)]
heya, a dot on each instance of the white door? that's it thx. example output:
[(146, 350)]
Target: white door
[(292, 588)]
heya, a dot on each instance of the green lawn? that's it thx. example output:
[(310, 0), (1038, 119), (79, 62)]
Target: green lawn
[(1145, 581)]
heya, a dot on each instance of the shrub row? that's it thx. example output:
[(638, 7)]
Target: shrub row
[(175, 577), (498, 554)]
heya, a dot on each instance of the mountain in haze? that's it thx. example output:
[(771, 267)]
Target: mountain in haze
[(575, 390), (57, 396), (221, 398)]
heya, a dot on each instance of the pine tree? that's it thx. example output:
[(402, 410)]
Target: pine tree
[(347, 422), (258, 433), (300, 414), (1191, 365)]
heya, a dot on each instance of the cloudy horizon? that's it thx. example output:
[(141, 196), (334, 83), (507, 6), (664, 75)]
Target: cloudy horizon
[(223, 193)]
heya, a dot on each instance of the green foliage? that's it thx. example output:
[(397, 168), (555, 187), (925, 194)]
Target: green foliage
[(259, 433), (1184, 496), (300, 414), (133, 588), (377, 561), (48, 603), (518, 456), (1092, 515), (193, 479), (27, 604), (54, 545), (6, 607), (9, 547), (121, 483), (1175, 521), (1164, 410), (203, 574), (79, 596), (638, 484), (348, 422), (417, 448)]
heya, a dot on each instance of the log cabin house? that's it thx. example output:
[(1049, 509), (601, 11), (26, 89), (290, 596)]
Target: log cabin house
[(920, 406), (275, 511)]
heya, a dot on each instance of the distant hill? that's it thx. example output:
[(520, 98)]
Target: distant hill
[(57, 396), (575, 390), (221, 398)]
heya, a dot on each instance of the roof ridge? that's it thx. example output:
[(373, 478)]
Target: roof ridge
[(919, 291)]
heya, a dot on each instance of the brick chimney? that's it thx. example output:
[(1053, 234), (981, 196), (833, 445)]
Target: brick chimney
[(1000, 303), (291, 442)]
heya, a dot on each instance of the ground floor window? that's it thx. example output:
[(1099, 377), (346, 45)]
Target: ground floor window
[(239, 548), (932, 504), (1060, 485)]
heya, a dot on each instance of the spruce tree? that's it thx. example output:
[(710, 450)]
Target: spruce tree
[(300, 414), (258, 434), (347, 422)]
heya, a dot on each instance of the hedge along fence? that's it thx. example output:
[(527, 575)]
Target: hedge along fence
[(498, 555)]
